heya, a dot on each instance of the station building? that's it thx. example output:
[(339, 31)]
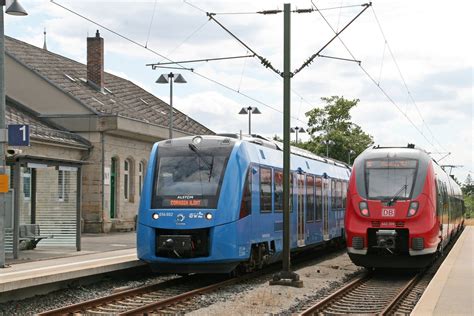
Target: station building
[(44, 182), (115, 121)]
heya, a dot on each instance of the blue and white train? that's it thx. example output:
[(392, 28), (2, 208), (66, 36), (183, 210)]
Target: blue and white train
[(213, 204)]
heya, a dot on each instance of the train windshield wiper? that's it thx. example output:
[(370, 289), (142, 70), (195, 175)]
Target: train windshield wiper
[(210, 169), (404, 187), (200, 156)]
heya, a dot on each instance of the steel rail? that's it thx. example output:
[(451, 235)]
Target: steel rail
[(311, 310), (401, 294), (178, 298), (102, 301)]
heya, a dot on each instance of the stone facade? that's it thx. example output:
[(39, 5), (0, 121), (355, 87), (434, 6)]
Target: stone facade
[(96, 199), (53, 151), (119, 120)]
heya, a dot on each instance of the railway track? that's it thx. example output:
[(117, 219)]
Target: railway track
[(384, 292), (372, 293), (164, 298), (175, 296)]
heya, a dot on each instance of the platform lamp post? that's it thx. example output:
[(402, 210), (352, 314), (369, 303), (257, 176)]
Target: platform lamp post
[(349, 153), (297, 130), (168, 78), (250, 110), (328, 143), (15, 8)]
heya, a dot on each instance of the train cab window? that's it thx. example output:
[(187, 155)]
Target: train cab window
[(188, 176), (390, 179), (278, 190), (319, 199), (309, 198), (265, 190), (333, 194)]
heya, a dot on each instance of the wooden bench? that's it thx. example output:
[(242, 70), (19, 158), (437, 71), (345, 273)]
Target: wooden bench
[(30, 233)]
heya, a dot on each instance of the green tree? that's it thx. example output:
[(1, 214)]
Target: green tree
[(333, 122), (468, 192), (468, 186)]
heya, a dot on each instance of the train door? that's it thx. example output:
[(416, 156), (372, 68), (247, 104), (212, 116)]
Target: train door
[(326, 188), (300, 210)]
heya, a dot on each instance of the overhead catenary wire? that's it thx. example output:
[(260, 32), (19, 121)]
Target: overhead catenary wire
[(266, 63), (151, 23), (381, 62), (194, 6), (200, 60), (242, 74), (276, 11), (339, 16), (187, 38), (376, 84), (263, 60), (403, 79), (170, 60), (337, 33)]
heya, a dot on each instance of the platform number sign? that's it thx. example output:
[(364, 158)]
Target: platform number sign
[(18, 135)]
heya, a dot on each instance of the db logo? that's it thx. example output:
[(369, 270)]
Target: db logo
[(388, 212)]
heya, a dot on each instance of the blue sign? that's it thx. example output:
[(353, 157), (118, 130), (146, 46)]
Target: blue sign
[(18, 135)]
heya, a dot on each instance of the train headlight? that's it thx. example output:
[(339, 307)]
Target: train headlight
[(412, 209), (208, 216), (155, 216), (197, 140), (364, 209)]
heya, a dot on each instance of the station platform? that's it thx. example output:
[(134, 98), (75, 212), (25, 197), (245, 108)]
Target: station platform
[(101, 253), (451, 291)]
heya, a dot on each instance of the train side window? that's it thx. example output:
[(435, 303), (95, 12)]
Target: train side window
[(439, 198), (246, 204), (319, 199), (344, 194), (338, 194), (278, 189), (265, 190), (309, 198), (333, 194), (291, 192), (445, 198)]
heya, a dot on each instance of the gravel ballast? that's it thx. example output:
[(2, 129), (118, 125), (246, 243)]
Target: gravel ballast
[(252, 297), (262, 299)]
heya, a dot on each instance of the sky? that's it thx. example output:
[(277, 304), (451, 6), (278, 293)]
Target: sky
[(414, 83)]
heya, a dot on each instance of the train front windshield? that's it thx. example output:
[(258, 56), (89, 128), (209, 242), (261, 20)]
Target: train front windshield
[(189, 177), (390, 179)]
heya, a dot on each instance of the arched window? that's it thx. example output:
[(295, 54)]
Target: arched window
[(129, 179)]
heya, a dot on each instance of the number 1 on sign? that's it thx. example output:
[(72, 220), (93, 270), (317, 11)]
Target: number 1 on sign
[(23, 129)]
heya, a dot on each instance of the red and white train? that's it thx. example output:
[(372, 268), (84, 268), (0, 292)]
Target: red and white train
[(402, 208)]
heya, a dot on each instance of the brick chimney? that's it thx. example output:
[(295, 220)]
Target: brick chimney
[(95, 61)]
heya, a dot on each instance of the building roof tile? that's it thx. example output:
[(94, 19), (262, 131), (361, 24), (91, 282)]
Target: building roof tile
[(40, 129), (121, 97)]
